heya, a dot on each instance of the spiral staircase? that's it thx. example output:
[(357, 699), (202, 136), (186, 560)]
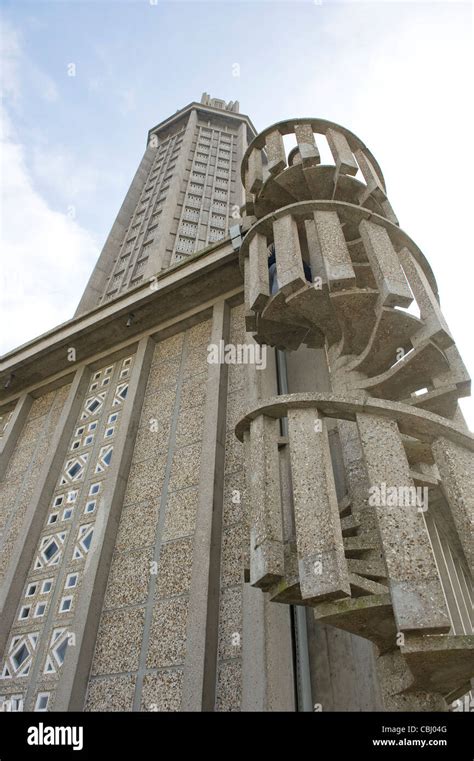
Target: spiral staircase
[(346, 278)]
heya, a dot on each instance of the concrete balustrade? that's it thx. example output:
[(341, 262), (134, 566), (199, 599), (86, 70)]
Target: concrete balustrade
[(330, 285), (335, 571), (391, 281), (266, 526), (273, 176), (322, 565), (417, 596), (275, 150), (340, 149), (259, 289), (254, 177), (372, 179), (336, 258), (307, 147), (289, 262), (336, 284)]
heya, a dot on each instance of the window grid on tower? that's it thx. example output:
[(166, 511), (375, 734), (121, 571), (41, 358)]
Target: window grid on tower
[(199, 174), (210, 169), (191, 214), (221, 192), (129, 269), (191, 211)]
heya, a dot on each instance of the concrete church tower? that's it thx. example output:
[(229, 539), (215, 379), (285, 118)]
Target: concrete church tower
[(181, 199), (288, 529)]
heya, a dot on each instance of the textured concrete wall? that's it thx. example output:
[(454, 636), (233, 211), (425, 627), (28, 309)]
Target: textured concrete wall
[(141, 644), (171, 629), (24, 468), (50, 571)]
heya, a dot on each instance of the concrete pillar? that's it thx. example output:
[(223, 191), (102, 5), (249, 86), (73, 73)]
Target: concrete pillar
[(456, 469), (342, 666), (321, 562), (342, 154), (436, 327), (417, 596), (337, 261), (343, 670), (306, 145), (318, 270), (374, 185), (199, 679), (14, 429), (259, 287), (267, 660), (267, 666), (265, 512), (254, 175), (389, 275), (289, 262), (275, 150)]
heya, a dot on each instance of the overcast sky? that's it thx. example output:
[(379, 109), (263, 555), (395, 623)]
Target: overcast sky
[(397, 74)]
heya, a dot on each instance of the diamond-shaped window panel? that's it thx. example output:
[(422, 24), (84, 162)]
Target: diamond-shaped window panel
[(60, 652), (84, 539), (50, 550), (20, 656), (93, 405), (18, 660), (58, 646), (74, 469), (103, 461), (120, 393)]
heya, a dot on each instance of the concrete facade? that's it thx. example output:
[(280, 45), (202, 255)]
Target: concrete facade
[(286, 525)]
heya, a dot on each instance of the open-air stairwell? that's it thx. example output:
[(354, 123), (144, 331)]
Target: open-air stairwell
[(395, 574)]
